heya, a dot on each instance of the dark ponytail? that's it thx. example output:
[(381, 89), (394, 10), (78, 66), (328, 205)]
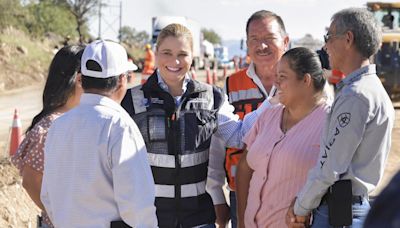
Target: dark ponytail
[(60, 83)]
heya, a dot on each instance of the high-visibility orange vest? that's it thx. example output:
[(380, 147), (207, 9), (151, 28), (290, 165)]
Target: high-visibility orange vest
[(149, 63), (336, 77), (245, 96)]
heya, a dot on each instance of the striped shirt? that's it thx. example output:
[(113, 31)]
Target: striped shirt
[(280, 162), (96, 168)]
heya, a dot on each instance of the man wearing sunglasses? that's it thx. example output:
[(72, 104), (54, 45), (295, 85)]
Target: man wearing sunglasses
[(357, 136)]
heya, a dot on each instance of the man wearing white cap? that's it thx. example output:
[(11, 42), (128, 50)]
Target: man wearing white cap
[(96, 168)]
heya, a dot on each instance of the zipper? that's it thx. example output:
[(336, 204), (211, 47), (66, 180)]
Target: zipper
[(173, 127), (171, 122)]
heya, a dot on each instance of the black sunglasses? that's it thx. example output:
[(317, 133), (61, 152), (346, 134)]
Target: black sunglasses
[(328, 36)]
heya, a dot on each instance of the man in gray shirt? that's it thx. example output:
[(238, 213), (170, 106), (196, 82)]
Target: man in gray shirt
[(357, 135)]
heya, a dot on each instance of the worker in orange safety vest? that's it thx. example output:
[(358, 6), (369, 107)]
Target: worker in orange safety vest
[(149, 64), (246, 90)]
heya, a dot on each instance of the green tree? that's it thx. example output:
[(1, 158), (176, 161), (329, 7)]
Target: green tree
[(211, 35), (81, 9), (49, 17), (12, 13), (134, 38)]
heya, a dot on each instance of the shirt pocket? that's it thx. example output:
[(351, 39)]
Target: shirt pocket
[(199, 126), (157, 129)]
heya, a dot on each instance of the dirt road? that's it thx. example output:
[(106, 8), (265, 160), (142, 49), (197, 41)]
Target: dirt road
[(28, 102)]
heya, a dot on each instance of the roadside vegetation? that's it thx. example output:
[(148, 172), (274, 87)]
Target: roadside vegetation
[(31, 32)]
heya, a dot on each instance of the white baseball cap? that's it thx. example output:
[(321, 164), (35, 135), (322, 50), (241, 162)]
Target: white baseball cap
[(131, 65), (111, 57)]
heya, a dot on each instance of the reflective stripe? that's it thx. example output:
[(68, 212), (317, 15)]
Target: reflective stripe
[(233, 170), (138, 100), (245, 95), (210, 97), (161, 160), (168, 161), (187, 190), (188, 160), (166, 191), (190, 190), (16, 123)]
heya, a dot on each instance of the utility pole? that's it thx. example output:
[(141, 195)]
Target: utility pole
[(109, 25), (120, 21), (99, 34)]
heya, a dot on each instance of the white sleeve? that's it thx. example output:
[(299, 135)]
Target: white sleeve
[(216, 171), (44, 195), (231, 129), (344, 134), (133, 181)]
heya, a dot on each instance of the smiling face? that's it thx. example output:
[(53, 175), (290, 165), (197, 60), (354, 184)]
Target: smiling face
[(290, 87), (265, 41), (334, 47), (174, 58)]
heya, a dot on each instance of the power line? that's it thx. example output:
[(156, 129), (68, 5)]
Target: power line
[(112, 24)]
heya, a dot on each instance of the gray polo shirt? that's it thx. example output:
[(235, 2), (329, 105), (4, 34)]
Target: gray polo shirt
[(355, 142)]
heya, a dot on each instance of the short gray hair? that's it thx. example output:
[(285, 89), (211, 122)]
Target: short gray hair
[(365, 28)]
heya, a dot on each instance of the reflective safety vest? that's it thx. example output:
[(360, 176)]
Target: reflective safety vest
[(336, 77), (177, 140), (149, 63), (245, 96)]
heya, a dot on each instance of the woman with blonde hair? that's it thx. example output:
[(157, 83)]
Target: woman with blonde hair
[(177, 117)]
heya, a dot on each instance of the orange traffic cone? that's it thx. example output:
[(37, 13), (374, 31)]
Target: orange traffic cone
[(208, 74), (236, 64), (224, 72), (16, 133), (236, 68), (193, 72), (214, 76)]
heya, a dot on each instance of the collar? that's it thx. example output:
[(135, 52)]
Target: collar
[(153, 85), (96, 99), (164, 85), (356, 75), (251, 73)]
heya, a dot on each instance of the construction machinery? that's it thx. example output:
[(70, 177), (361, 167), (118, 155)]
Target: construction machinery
[(387, 59)]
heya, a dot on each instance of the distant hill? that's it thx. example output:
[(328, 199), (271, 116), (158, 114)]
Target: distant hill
[(306, 41), (234, 48)]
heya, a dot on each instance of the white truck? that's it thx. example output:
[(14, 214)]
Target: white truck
[(158, 23), (222, 57)]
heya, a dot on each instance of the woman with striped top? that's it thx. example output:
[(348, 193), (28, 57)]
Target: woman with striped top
[(284, 142)]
